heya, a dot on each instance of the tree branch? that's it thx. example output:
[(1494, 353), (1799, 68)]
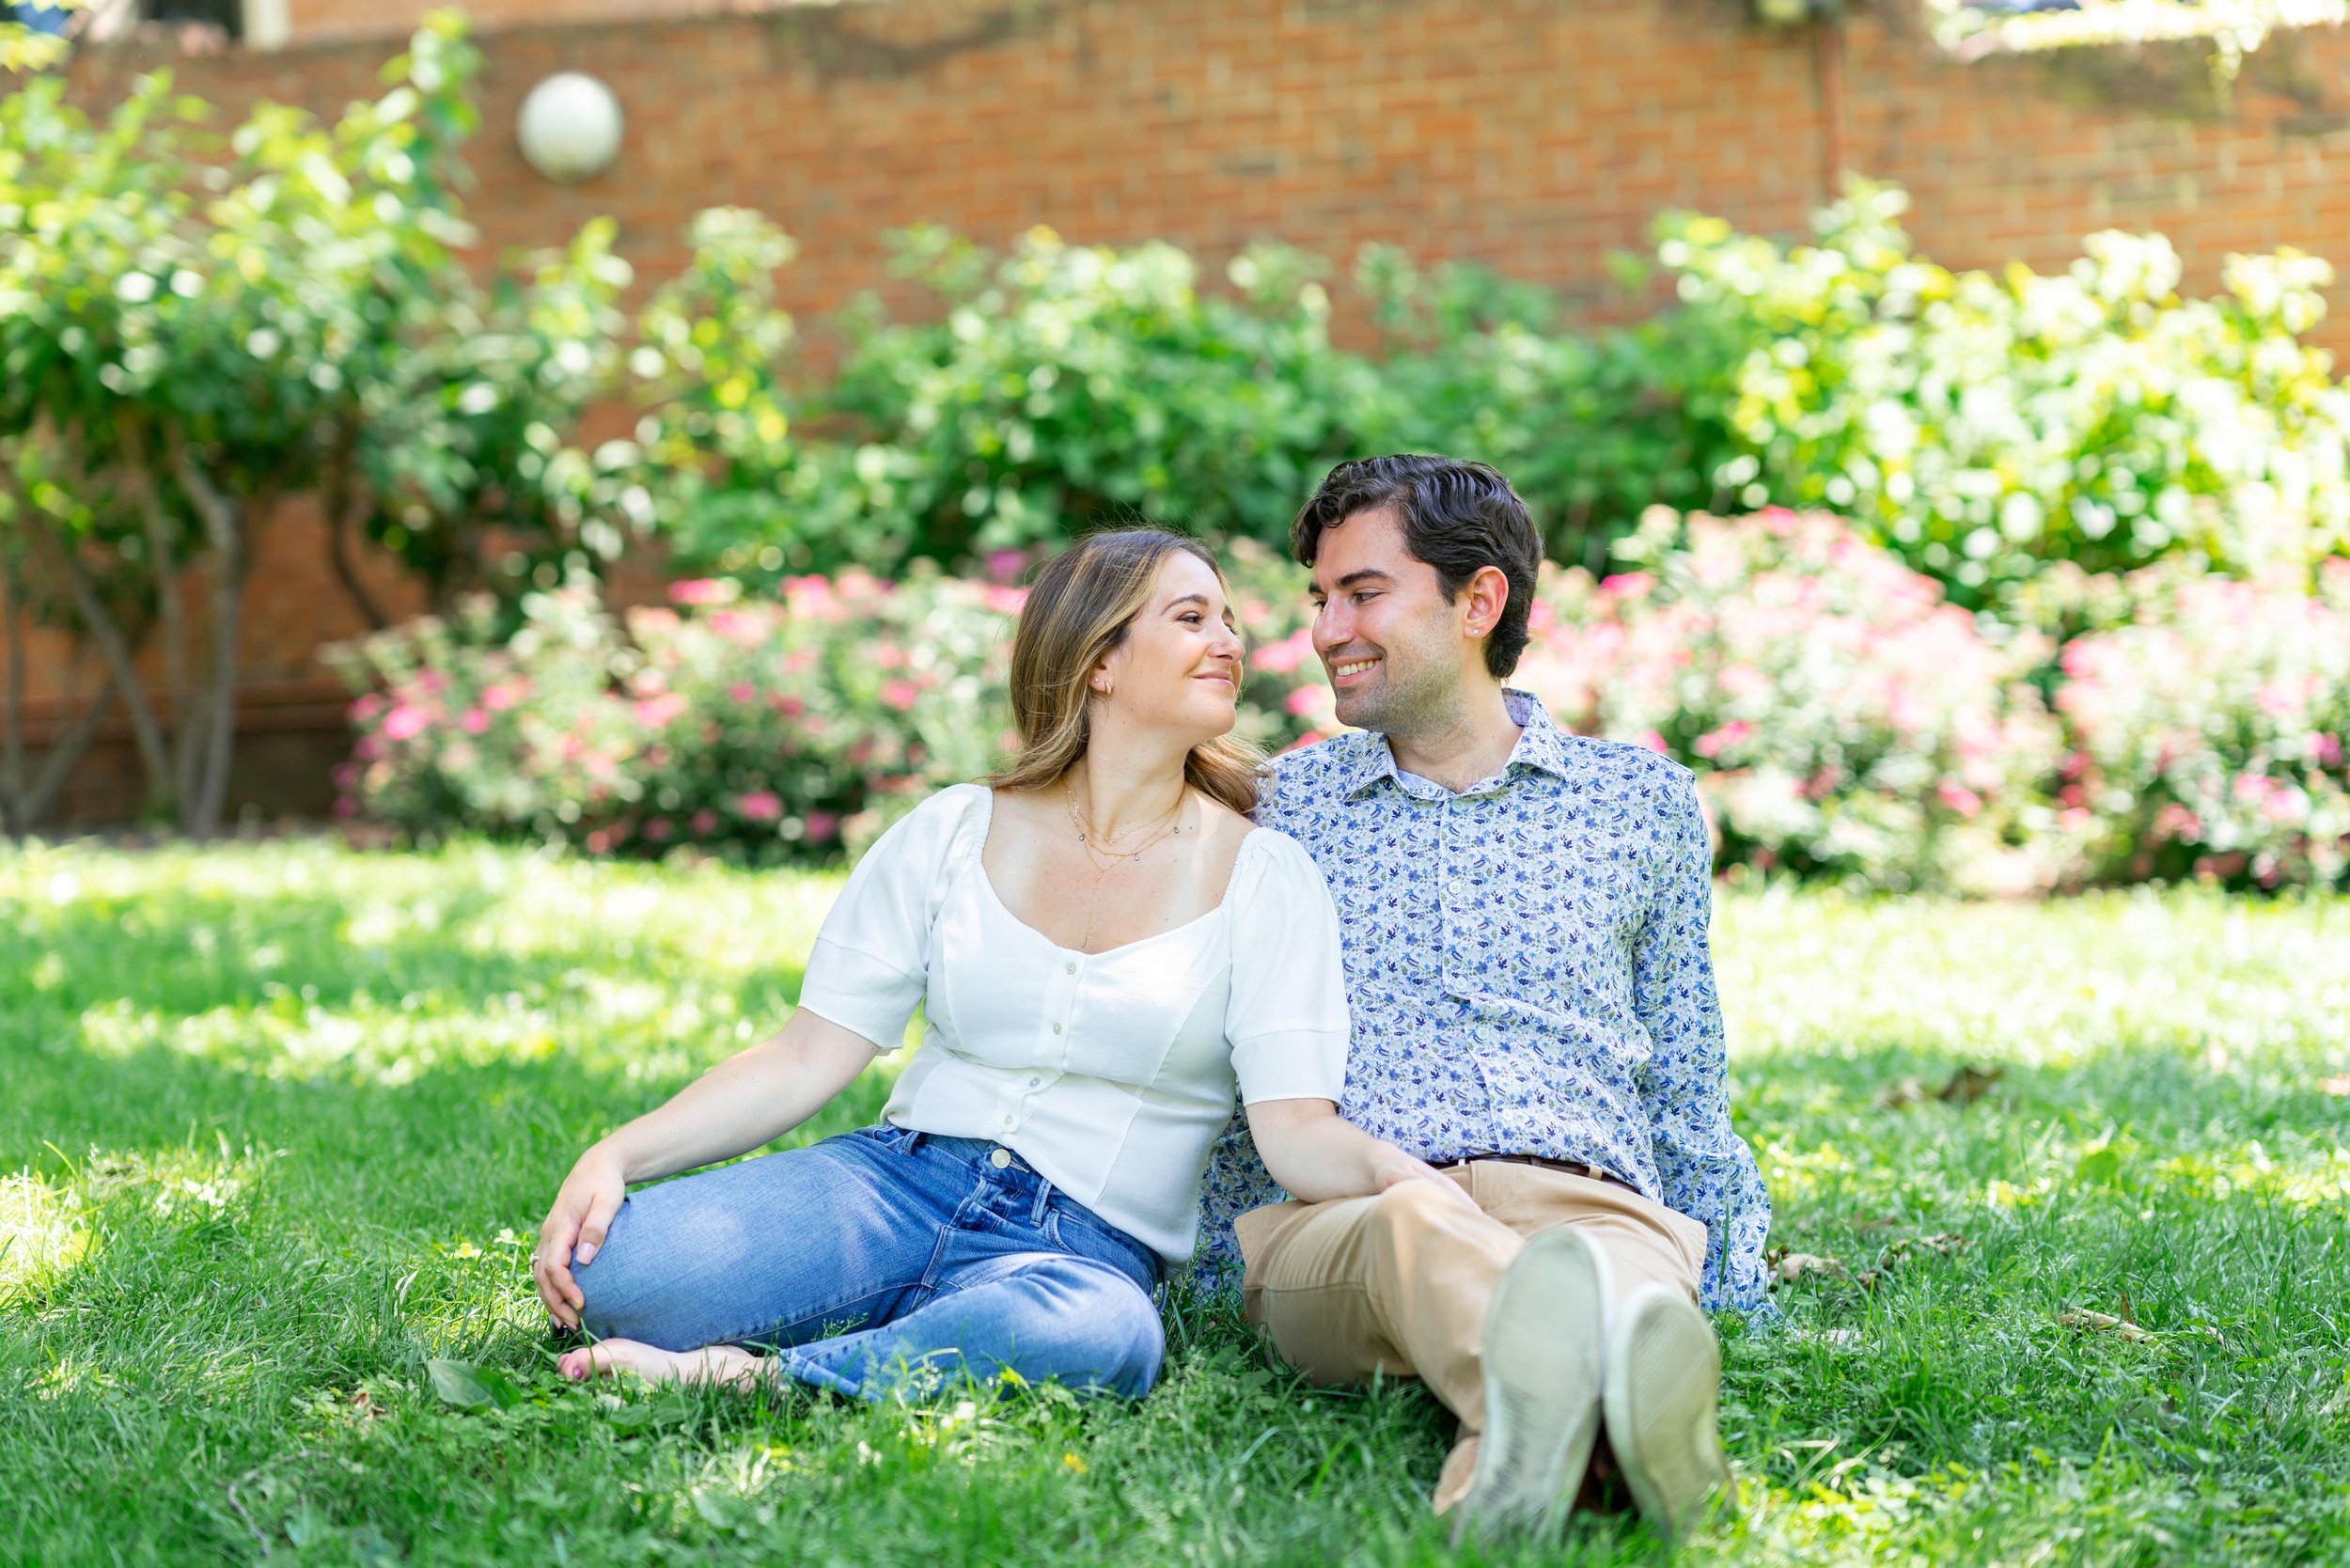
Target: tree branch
[(223, 528), (341, 499), (112, 649)]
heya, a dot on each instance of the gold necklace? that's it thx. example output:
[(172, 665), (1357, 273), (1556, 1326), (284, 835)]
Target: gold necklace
[(1087, 833), (1167, 825)]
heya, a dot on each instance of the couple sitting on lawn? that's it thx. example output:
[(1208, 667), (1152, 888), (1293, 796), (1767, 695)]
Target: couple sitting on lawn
[(1483, 939)]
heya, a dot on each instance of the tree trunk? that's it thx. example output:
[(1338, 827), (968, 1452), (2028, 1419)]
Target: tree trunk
[(65, 752), (140, 479), (225, 525), (115, 650), (341, 499), (12, 702)]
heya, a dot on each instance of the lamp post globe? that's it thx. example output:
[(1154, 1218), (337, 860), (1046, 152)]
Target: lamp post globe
[(570, 127)]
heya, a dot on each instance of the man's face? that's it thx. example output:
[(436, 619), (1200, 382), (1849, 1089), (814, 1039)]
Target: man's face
[(1390, 642)]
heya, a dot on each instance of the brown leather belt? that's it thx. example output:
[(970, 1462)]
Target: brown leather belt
[(1568, 1168)]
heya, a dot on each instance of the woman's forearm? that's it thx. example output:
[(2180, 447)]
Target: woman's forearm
[(751, 1098), (1318, 1155)]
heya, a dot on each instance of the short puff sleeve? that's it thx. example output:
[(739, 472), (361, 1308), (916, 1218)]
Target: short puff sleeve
[(1286, 1020), (871, 964)]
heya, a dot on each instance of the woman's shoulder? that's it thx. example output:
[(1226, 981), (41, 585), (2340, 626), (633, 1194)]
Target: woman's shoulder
[(938, 826), (1267, 855)]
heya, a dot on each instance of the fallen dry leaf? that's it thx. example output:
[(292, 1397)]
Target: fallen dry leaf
[(1950, 1244), (2105, 1323), (1901, 1095), (1865, 1225), (1788, 1268), (1969, 1083)]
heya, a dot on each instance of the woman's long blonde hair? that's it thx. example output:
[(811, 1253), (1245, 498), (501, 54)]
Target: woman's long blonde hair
[(1078, 611)]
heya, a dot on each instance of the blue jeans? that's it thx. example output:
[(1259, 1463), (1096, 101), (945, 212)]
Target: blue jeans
[(879, 1261)]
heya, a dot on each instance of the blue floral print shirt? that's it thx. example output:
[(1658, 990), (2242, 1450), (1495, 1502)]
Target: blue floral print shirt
[(1527, 972)]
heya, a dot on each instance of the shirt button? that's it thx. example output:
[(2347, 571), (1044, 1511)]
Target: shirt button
[(1069, 968), (1001, 1157), (1005, 1119), (1056, 1029), (1033, 1082)]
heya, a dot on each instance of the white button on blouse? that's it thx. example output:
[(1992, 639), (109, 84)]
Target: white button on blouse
[(1119, 1109)]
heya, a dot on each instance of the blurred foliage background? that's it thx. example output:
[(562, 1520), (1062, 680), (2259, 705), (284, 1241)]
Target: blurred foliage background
[(2001, 581)]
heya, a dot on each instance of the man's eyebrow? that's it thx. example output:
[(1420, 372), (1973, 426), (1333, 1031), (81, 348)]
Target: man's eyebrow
[(1365, 574)]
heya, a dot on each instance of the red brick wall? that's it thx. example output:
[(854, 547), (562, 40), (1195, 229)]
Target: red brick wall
[(1537, 135)]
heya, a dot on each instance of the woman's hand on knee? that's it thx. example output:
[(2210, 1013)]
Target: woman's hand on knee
[(574, 1231)]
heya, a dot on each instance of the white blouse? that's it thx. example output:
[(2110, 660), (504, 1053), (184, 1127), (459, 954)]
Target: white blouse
[(1109, 1072)]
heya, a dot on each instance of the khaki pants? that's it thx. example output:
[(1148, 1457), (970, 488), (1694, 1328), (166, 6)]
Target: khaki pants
[(1398, 1282)]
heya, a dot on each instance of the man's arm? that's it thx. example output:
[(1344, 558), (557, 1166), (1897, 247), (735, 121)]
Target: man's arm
[(1706, 1170)]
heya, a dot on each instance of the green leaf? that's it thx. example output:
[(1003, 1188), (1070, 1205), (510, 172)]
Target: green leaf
[(459, 1383)]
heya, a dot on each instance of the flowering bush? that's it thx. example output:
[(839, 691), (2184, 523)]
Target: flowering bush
[(2208, 730), (1845, 720), (1841, 718), (801, 725)]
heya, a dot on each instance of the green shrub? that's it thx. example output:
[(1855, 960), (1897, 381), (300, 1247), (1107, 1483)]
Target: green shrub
[(1983, 425)]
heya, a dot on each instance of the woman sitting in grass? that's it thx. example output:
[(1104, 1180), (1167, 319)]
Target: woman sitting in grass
[(1104, 949)]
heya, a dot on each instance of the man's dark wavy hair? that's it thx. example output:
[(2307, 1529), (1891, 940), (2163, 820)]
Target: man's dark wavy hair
[(1458, 516)]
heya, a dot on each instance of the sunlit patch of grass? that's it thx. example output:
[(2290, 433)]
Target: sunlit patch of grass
[(41, 1235), (284, 1119)]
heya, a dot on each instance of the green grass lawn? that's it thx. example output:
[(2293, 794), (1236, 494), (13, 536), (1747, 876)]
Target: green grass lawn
[(278, 1120)]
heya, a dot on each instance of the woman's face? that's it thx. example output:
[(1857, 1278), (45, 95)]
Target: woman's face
[(1178, 668)]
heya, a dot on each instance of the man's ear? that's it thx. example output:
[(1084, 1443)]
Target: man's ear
[(1487, 595)]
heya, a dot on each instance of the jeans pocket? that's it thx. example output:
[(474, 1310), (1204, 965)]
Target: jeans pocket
[(881, 1134), (1084, 1234)]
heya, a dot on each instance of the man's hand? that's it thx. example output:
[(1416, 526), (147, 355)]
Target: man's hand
[(574, 1231)]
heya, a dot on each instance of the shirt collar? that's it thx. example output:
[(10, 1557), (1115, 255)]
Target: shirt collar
[(1540, 745)]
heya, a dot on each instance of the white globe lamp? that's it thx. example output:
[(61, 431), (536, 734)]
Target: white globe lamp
[(570, 127)]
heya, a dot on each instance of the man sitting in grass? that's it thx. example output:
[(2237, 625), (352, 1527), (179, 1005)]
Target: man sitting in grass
[(1524, 916)]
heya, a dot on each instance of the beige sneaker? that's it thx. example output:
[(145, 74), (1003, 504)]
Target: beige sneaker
[(1542, 1353), (1663, 1404)]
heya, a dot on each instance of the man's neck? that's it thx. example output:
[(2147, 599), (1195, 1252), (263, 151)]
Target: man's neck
[(1472, 740)]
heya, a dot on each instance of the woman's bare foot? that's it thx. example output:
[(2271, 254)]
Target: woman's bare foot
[(723, 1366)]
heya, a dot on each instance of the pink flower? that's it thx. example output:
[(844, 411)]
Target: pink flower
[(1280, 658), (701, 591), (1716, 742), (1652, 740), (703, 823), (502, 695), (475, 721), (760, 805), (1628, 585), (1005, 565), (658, 830), (656, 713), (821, 826), (1958, 797), (789, 706), (1304, 701), (599, 842), (366, 707), (404, 723), (741, 691), (899, 695)]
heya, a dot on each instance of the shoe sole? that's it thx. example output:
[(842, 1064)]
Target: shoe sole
[(1663, 1404), (1542, 1356)]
